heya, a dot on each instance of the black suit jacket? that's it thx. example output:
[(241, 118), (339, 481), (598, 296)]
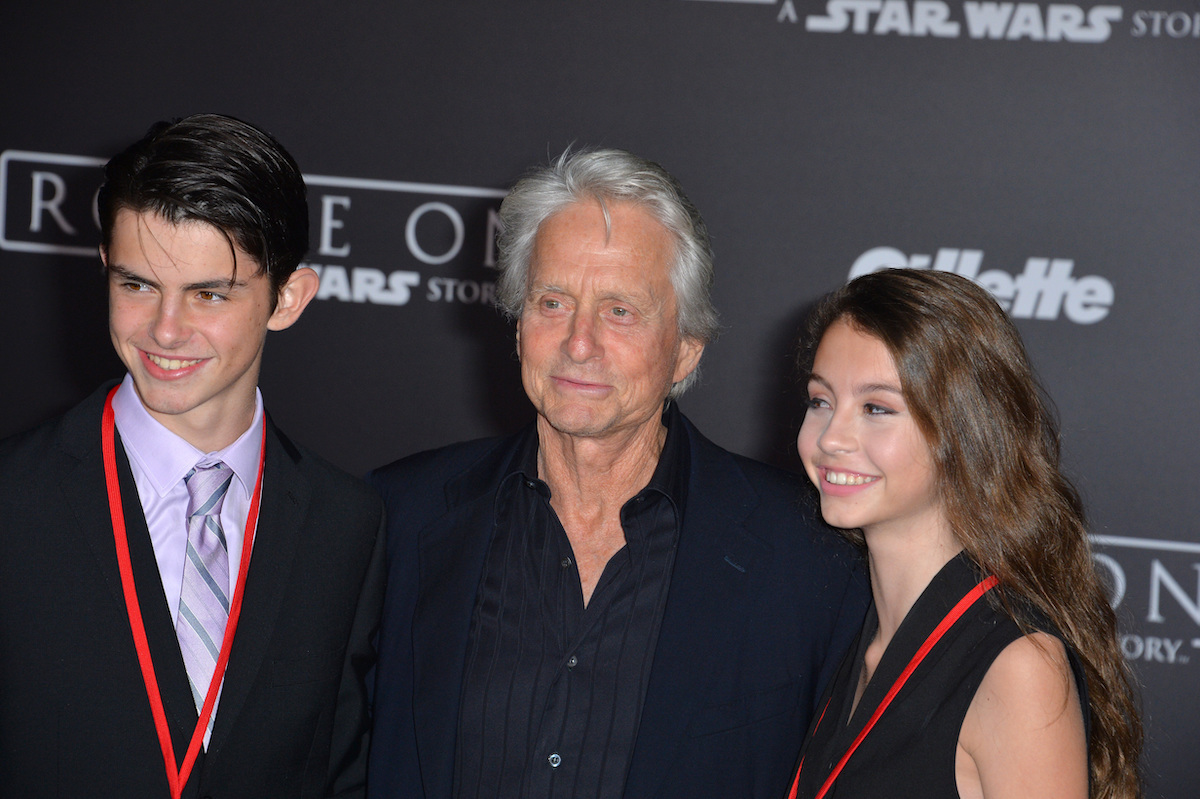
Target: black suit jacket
[(762, 604), (74, 717)]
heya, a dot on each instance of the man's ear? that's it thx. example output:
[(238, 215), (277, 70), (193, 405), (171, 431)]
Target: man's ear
[(294, 297), (690, 350)]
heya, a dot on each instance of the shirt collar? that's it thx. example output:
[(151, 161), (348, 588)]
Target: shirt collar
[(524, 465), (166, 458), (674, 466)]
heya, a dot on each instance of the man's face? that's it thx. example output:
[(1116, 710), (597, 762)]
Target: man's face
[(598, 337), (191, 340)]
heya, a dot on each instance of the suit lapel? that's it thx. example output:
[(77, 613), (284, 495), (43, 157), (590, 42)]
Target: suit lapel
[(705, 603), (282, 510), (452, 551), (85, 491)]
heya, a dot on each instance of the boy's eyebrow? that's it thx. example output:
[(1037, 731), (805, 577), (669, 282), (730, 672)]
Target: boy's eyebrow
[(129, 274), (203, 285)]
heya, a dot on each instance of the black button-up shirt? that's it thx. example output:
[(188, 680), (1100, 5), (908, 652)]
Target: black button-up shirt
[(553, 691)]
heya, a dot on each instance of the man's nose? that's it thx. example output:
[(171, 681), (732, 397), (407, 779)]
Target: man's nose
[(583, 341)]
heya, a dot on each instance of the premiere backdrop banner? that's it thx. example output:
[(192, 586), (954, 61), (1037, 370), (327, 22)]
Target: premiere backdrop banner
[(1050, 151)]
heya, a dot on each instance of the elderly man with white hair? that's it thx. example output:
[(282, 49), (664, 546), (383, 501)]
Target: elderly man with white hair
[(605, 604)]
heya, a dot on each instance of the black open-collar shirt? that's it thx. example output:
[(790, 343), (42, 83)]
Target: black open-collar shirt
[(553, 691)]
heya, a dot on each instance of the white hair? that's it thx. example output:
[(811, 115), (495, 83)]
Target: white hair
[(610, 176)]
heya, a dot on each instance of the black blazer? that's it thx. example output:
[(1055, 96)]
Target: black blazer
[(74, 717), (762, 604)]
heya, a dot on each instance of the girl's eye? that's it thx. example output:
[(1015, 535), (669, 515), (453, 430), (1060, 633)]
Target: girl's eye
[(877, 410)]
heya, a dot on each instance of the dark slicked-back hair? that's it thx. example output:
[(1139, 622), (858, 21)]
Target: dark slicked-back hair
[(971, 389), (219, 170)]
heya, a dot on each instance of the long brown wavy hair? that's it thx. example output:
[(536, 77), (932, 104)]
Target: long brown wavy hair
[(969, 385)]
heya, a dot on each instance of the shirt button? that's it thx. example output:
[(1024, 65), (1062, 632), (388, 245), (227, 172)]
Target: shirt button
[(554, 760), (566, 563), (572, 662)]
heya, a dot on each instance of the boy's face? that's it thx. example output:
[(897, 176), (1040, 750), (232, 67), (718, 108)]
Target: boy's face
[(191, 338)]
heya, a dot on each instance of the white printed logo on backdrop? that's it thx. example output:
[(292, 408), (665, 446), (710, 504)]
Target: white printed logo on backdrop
[(1155, 588), (998, 21), (377, 241), (1046, 289), (995, 20), (448, 233)]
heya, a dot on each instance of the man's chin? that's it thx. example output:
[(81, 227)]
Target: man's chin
[(577, 423)]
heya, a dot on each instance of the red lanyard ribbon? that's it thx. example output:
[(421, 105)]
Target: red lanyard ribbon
[(176, 778), (943, 627)]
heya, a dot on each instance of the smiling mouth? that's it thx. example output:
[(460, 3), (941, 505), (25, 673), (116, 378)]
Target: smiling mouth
[(171, 364), (847, 478)]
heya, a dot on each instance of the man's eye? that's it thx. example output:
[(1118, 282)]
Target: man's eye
[(619, 311), (551, 304), (209, 296)]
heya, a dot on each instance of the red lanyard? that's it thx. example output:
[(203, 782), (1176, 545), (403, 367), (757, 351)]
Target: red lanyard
[(176, 778), (943, 627)]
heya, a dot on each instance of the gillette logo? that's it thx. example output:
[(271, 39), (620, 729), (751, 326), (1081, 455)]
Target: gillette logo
[(1045, 290)]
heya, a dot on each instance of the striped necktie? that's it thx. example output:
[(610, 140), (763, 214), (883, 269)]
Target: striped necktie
[(204, 600)]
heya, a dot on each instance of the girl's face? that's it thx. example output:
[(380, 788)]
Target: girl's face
[(860, 445)]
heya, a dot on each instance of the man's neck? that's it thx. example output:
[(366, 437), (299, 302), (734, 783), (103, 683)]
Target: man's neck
[(582, 469), (590, 480)]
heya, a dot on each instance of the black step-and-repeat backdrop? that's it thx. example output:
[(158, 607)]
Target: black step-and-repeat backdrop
[(1051, 151)]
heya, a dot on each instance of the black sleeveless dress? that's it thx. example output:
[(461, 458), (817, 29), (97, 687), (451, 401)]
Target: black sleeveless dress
[(910, 752)]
